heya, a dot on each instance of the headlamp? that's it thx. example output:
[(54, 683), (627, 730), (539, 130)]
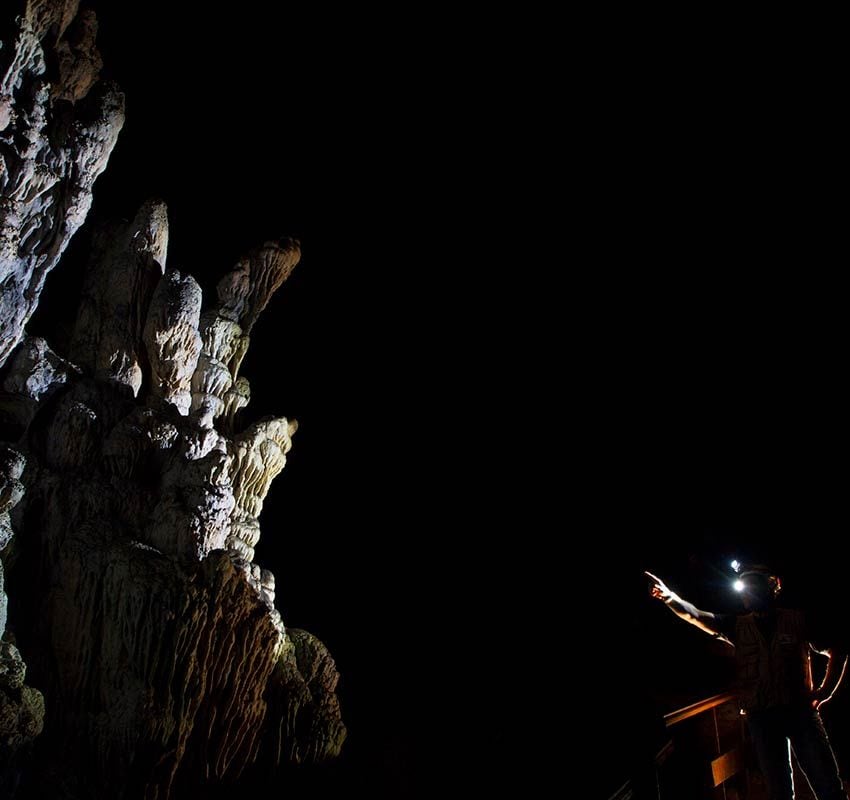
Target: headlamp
[(765, 572)]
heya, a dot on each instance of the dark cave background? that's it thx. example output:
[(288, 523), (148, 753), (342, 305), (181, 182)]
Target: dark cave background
[(682, 389)]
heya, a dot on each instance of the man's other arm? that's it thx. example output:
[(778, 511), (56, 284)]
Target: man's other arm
[(836, 666)]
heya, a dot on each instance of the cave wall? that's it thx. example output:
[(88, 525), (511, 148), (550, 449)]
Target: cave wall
[(130, 492)]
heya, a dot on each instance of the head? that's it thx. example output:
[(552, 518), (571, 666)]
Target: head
[(758, 587)]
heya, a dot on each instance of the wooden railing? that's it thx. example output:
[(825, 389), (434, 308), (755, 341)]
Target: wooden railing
[(727, 761), (699, 707)]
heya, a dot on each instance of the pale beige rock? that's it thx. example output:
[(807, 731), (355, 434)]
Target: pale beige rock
[(246, 290), (192, 516), (235, 399), (242, 293), (35, 371), (79, 60), (210, 384), (258, 456), (137, 601), (126, 265), (172, 340)]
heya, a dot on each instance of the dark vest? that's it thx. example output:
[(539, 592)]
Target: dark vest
[(776, 672)]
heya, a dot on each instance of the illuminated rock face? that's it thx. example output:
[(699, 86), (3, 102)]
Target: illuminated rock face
[(132, 495), (50, 154)]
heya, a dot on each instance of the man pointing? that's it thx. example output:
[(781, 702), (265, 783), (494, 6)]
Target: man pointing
[(774, 681)]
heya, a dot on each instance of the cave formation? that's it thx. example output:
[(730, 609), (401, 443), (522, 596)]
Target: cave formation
[(142, 653)]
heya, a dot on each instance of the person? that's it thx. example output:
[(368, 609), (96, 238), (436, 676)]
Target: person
[(774, 681)]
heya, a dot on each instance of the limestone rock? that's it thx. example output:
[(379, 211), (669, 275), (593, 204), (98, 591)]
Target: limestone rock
[(73, 444), (126, 264), (46, 14), (235, 399), (138, 445), (146, 517), (79, 60), (305, 726), (34, 373), (258, 456), (4, 602), (245, 291), (12, 465), (13, 671), (213, 380), (168, 647), (192, 518), (21, 716), (242, 295), (133, 498), (172, 339), (21, 707), (50, 155)]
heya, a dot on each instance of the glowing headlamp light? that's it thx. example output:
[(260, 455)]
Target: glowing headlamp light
[(738, 585)]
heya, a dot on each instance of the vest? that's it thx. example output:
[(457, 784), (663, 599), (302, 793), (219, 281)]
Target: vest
[(776, 672)]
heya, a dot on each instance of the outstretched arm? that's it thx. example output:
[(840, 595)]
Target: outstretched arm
[(704, 620)]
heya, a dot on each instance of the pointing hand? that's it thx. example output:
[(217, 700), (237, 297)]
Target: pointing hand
[(659, 589)]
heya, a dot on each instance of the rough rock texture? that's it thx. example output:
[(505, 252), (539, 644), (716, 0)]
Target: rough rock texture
[(242, 294), (258, 456), (33, 374), (51, 152), (154, 636), (11, 491), (180, 684), (21, 707), (302, 694), (133, 499), (126, 263), (172, 339)]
